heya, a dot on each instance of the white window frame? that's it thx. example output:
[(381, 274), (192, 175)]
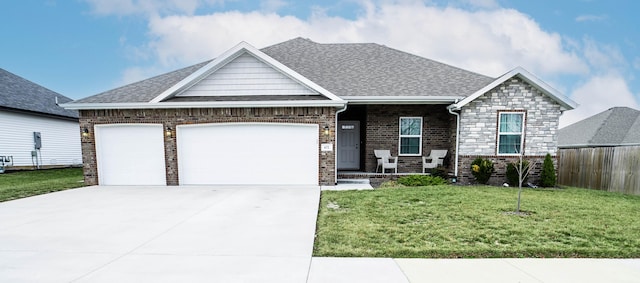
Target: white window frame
[(521, 133), (400, 136)]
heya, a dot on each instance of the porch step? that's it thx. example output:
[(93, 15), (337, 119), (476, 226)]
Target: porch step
[(349, 184), (353, 181)]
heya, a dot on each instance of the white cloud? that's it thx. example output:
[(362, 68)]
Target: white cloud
[(591, 18), (272, 5), (607, 85), (147, 7), (490, 42), (602, 56), (483, 3), (189, 39), (599, 94)]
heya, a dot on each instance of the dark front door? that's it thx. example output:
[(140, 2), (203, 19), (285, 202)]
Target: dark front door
[(348, 145)]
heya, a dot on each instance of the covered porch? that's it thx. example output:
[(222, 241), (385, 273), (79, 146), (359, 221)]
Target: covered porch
[(408, 131)]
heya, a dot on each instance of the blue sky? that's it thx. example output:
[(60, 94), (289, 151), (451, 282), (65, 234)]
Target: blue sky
[(586, 49)]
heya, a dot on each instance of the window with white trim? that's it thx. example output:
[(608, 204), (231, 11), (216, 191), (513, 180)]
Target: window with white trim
[(410, 141), (510, 132)]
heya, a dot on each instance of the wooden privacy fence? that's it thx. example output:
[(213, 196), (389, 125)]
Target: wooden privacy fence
[(613, 169)]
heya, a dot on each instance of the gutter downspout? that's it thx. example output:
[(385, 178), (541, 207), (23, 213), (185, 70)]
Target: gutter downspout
[(457, 137), (336, 144)]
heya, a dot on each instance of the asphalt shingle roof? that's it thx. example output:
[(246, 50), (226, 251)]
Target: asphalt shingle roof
[(368, 69), (18, 93), (344, 69), (616, 126), (145, 90)]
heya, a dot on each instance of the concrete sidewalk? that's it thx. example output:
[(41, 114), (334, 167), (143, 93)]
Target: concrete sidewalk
[(473, 270)]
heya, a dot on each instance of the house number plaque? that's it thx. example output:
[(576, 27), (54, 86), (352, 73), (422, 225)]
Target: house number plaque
[(326, 147)]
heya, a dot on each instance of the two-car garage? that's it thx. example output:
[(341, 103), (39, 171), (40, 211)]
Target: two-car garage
[(209, 154)]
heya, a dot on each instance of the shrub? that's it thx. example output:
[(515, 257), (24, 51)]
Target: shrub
[(439, 172), (421, 180), (548, 174), (482, 169), (512, 173)]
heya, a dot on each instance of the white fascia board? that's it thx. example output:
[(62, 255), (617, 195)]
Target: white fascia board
[(228, 56), (401, 99), (526, 76), (209, 104)]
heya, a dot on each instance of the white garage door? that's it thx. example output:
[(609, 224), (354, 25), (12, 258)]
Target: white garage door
[(248, 154), (130, 154)]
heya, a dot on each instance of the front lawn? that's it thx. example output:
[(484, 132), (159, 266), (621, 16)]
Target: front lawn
[(457, 221), (22, 184)]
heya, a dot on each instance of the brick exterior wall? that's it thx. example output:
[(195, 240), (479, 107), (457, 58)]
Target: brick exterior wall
[(323, 116), (383, 126), (479, 127)]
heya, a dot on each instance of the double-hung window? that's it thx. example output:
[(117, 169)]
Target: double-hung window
[(510, 132), (410, 136)]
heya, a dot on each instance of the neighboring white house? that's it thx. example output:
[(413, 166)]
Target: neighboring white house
[(34, 131)]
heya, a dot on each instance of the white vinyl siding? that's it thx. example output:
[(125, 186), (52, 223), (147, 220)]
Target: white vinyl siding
[(246, 75), (60, 139), (410, 140), (510, 132)]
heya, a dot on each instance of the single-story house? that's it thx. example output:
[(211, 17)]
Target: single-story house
[(602, 152), (301, 112), (36, 131)]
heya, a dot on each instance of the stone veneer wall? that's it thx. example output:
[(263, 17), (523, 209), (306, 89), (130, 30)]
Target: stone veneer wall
[(323, 116), (479, 127), (383, 127)]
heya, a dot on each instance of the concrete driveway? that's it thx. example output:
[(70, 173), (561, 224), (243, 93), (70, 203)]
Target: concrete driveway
[(160, 234)]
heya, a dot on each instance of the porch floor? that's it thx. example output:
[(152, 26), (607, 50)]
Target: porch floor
[(364, 175)]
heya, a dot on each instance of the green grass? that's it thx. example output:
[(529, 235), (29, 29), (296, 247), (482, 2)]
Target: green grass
[(456, 221), (22, 184)]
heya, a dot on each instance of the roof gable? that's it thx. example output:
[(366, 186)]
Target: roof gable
[(247, 75), (613, 127), (527, 77), (19, 94), (229, 60)]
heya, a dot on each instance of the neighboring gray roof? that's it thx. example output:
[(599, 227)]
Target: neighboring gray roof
[(17, 93), (343, 69), (374, 70), (143, 91), (614, 127)]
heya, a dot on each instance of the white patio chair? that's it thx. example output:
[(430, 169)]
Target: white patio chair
[(435, 159), (380, 154), (390, 162)]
